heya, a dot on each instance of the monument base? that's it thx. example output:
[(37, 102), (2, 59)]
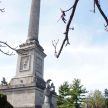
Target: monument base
[(25, 95)]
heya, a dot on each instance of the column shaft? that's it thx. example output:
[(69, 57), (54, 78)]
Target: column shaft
[(34, 21)]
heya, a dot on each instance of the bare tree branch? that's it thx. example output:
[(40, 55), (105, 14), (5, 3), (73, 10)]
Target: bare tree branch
[(101, 12), (94, 6), (2, 10), (69, 21), (7, 53), (6, 45), (66, 39), (54, 43)]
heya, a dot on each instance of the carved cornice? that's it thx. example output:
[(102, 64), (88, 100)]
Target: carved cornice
[(29, 45)]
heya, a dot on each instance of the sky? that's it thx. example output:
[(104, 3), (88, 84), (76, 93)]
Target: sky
[(86, 56)]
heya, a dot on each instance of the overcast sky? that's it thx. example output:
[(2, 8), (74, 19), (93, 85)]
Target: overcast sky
[(86, 56)]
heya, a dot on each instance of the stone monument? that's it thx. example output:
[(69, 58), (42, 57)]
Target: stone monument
[(26, 89)]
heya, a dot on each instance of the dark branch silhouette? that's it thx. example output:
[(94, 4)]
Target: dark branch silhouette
[(4, 44), (69, 21), (2, 10), (102, 13), (66, 39)]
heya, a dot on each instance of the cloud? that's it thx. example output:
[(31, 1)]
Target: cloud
[(88, 63)]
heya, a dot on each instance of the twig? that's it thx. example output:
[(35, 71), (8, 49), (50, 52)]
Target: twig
[(102, 13), (6, 45), (94, 6), (2, 10), (54, 43), (7, 53), (68, 9), (66, 39)]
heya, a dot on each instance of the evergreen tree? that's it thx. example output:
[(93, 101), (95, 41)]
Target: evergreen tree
[(106, 98), (71, 95)]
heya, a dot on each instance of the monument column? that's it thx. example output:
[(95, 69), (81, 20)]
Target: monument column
[(31, 54), (26, 89), (34, 21)]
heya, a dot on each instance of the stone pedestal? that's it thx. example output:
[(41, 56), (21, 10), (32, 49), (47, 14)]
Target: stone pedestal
[(24, 96), (49, 105), (26, 89), (30, 60)]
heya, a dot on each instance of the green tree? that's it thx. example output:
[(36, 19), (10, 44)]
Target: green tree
[(71, 95), (95, 99), (106, 98)]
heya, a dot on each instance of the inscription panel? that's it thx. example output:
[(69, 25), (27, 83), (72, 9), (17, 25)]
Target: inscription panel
[(25, 63), (38, 65)]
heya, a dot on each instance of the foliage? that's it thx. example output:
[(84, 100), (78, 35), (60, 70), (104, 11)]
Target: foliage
[(106, 98), (106, 102), (3, 102), (95, 99), (71, 95)]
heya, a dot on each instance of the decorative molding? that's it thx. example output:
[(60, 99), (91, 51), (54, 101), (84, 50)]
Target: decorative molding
[(31, 43)]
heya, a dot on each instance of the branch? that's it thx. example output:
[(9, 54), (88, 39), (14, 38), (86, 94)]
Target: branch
[(7, 53), (54, 43), (68, 9), (64, 14), (2, 10), (94, 6), (66, 39), (102, 13), (6, 45)]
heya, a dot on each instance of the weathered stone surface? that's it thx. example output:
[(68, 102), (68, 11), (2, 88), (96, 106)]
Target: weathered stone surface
[(34, 21), (24, 96), (30, 60)]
